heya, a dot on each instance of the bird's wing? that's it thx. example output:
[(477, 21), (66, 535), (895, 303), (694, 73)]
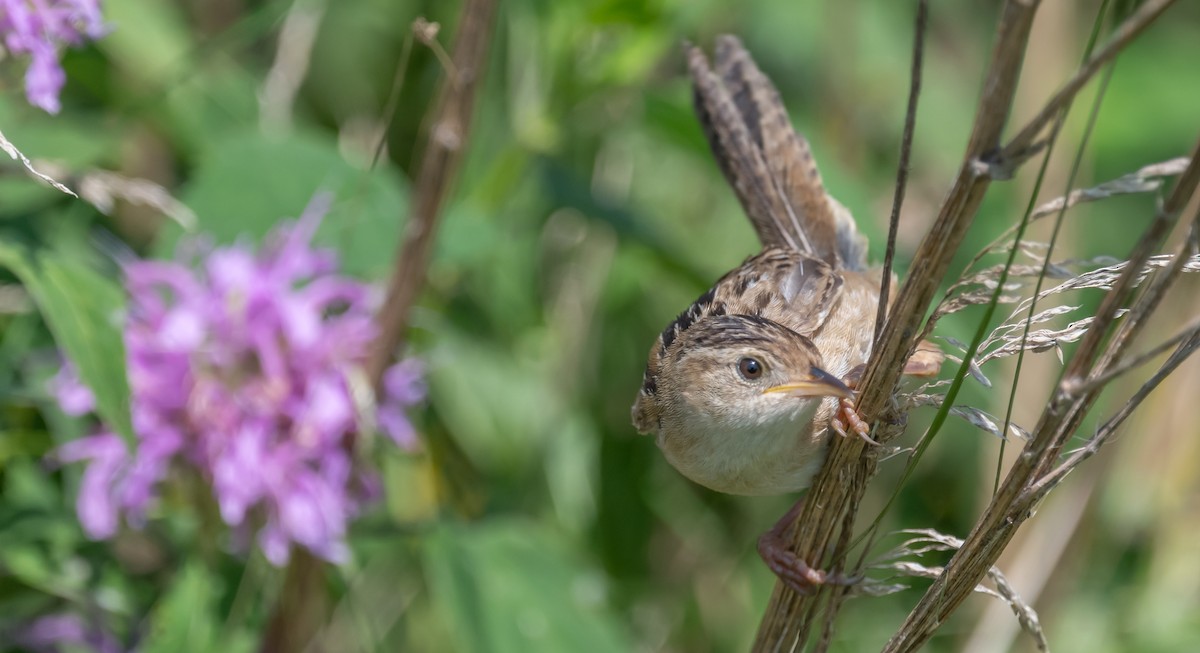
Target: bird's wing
[(786, 286), (769, 165)]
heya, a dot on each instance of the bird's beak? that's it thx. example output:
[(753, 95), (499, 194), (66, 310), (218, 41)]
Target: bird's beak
[(818, 384)]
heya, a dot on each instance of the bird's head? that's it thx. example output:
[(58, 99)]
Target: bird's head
[(734, 402), (730, 373)]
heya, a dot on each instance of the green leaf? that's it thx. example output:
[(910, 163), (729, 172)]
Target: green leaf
[(509, 586), (83, 141), (153, 38), (82, 309), (22, 443), (29, 565), (185, 618), (246, 184)]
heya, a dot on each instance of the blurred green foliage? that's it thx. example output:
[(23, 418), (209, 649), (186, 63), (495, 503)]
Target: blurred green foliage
[(588, 213)]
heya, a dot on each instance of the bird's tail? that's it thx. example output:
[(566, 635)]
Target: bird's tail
[(769, 165)]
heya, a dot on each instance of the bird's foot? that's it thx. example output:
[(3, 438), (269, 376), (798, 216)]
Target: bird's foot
[(847, 419), (788, 567)]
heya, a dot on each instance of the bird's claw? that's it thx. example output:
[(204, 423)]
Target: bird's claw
[(793, 571), (788, 567), (847, 419)]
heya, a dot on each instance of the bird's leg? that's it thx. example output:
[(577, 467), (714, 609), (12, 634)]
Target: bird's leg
[(846, 418), (785, 564)]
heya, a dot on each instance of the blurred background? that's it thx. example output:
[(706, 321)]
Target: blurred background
[(588, 213)]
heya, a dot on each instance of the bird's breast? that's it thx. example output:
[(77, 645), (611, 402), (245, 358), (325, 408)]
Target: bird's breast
[(750, 459)]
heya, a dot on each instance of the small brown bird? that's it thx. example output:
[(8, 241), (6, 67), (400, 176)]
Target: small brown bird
[(742, 388)]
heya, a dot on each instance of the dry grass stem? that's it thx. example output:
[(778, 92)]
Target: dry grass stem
[(900, 561), (838, 489), (822, 534), (1022, 146), (12, 151), (1134, 362), (293, 51), (976, 417), (1024, 487), (1148, 179), (103, 189), (910, 124), (1049, 481), (1009, 338)]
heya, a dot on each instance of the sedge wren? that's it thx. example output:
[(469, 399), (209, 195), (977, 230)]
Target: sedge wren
[(743, 389)]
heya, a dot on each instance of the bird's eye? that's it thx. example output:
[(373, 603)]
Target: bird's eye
[(750, 368)]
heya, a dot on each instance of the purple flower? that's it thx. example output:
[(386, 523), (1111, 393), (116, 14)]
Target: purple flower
[(38, 28), (98, 512), (242, 367), (65, 632), (403, 385), (73, 396)]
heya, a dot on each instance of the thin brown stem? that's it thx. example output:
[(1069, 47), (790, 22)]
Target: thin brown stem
[(1066, 409), (1135, 320), (1137, 361), (910, 124), (393, 101), (932, 259), (1106, 368), (1050, 480), (1145, 180), (303, 606), (1022, 145), (444, 150)]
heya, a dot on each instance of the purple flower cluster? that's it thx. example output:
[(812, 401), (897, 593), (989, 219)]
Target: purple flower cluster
[(38, 28), (247, 367)]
